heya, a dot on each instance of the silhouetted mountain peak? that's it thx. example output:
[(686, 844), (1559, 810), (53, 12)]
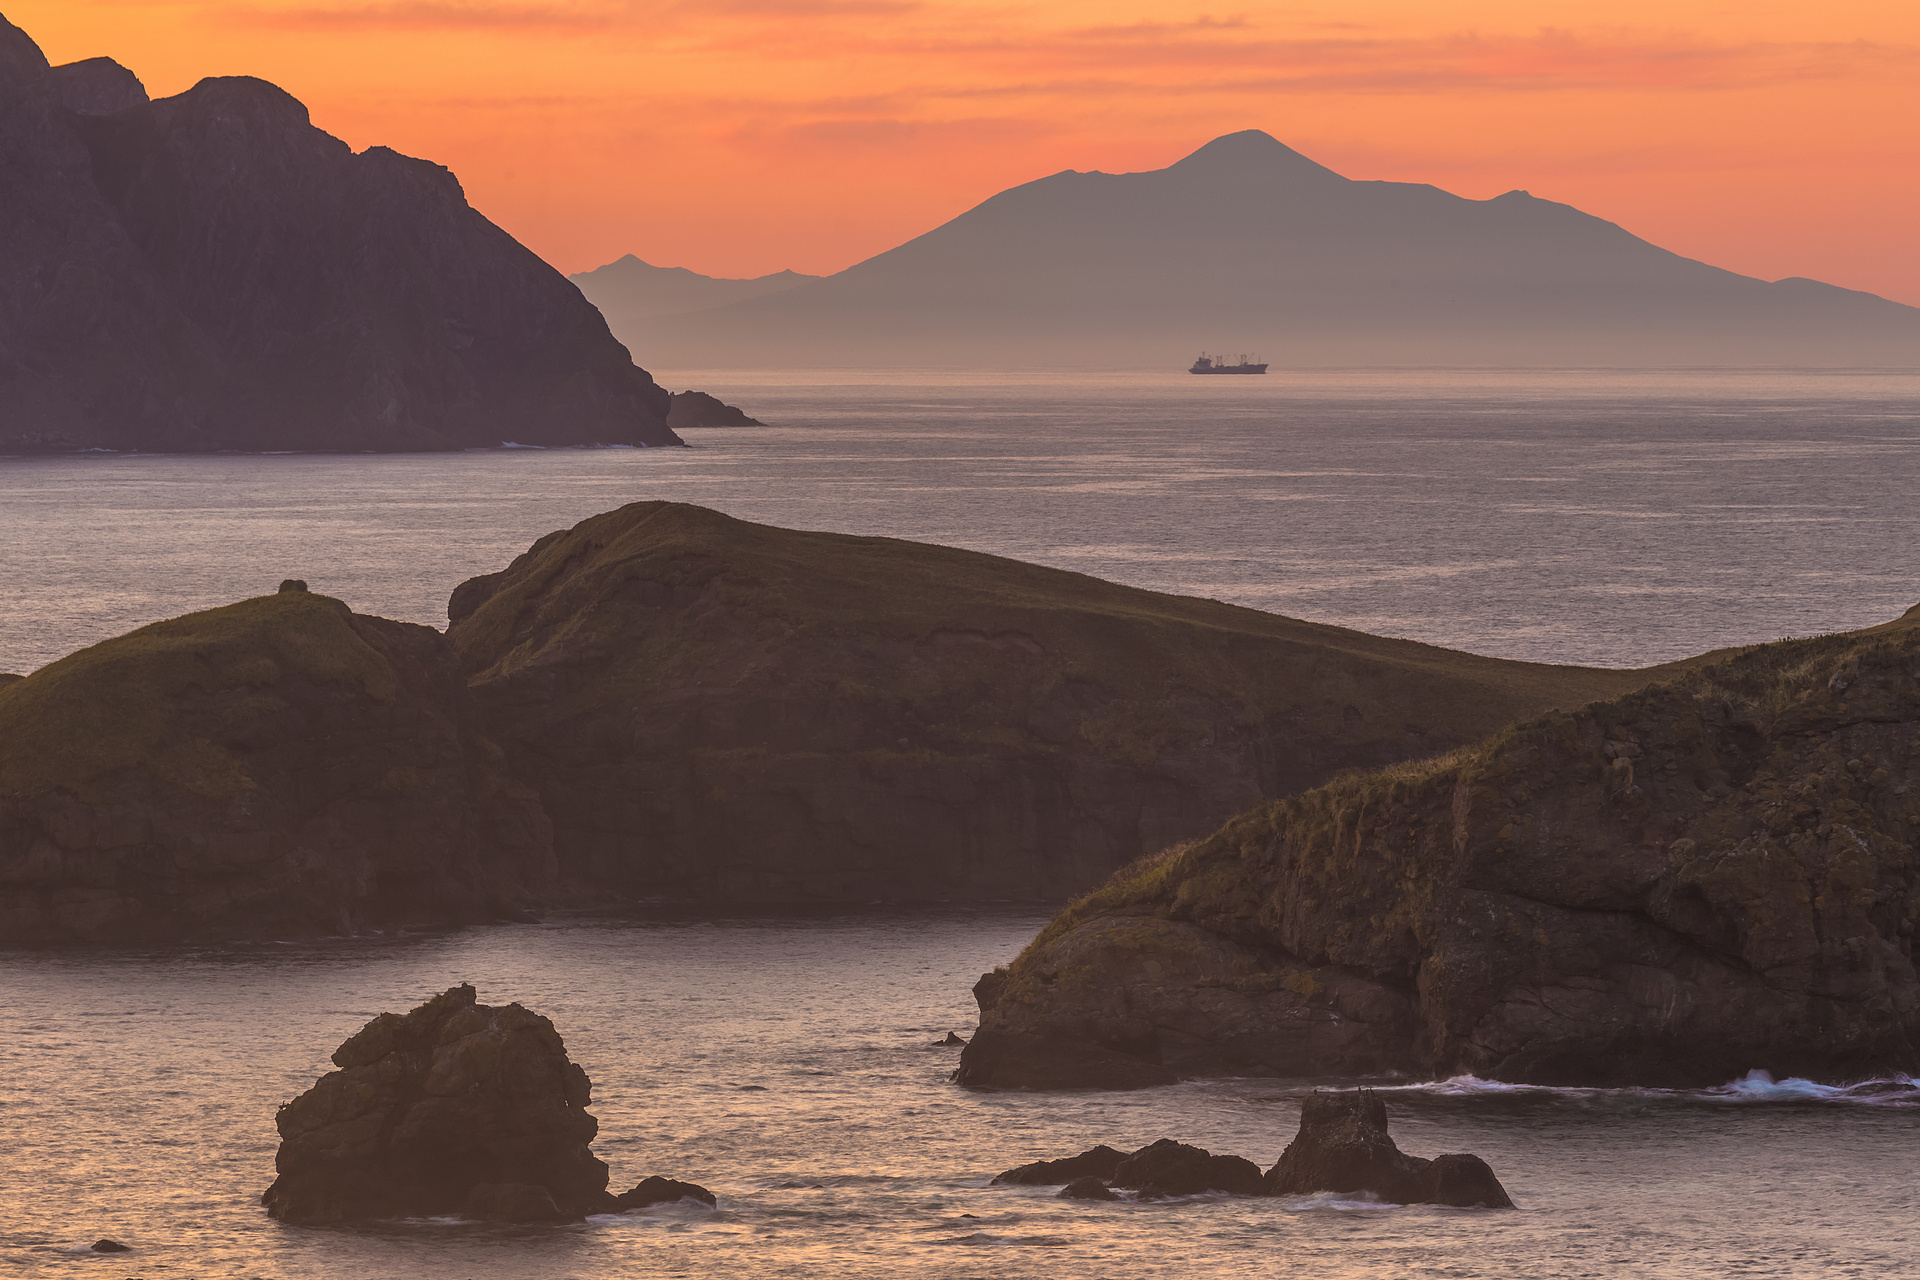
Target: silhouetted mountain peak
[(1252, 151), (23, 68), (97, 87)]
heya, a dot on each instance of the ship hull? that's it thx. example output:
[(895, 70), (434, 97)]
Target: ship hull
[(1238, 368)]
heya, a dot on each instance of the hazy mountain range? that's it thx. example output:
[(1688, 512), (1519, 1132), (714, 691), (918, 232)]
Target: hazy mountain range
[(1247, 245)]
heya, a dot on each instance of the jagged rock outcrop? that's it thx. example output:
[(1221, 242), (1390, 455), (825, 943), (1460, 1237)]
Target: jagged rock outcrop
[(1343, 1146), (1671, 887), (277, 768), (456, 1107), (1095, 1162), (698, 409), (210, 271), (716, 709)]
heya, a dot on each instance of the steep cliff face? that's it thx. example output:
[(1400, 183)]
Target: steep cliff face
[(1704, 877), (210, 271), (276, 768), (711, 708)]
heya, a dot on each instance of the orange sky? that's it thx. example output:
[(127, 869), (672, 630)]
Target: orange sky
[(737, 137)]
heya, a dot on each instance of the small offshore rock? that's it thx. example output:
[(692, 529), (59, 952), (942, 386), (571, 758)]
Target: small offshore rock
[(293, 584), (652, 1191), (1098, 1162), (456, 1107), (953, 1038), (1087, 1189), (111, 1246), (1168, 1168), (1343, 1146)]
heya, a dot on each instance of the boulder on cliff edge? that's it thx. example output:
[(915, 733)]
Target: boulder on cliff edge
[(1343, 1146), (454, 1108)]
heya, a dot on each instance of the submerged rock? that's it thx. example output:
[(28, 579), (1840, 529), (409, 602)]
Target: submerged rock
[(456, 1107), (1343, 1146), (1671, 887), (1168, 1168), (656, 1190), (1098, 1162)]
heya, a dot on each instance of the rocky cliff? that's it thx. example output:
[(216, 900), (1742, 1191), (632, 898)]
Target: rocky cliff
[(1716, 873), (716, 709), (276, 768), (210, 271)]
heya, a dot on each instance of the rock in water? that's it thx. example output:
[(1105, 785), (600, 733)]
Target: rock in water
[(1168, 1168), (1343, 1146), (110, 1246), (1671, 887), (1085, 1189), (454, 1108), (652, 1191), (1099, 1162), (282, 767), (698, 409), (210, 271)]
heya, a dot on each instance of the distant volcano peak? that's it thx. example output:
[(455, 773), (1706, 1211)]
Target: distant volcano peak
[(1252, 150)]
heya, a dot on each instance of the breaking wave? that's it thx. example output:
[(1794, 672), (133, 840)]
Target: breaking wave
[(1896, 1090)]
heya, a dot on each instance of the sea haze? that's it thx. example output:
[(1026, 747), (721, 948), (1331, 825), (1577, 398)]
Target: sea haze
[(1603, 518)]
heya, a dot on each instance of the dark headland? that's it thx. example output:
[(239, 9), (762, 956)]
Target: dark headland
[(664, 702), (211, 272), (1673, 886)]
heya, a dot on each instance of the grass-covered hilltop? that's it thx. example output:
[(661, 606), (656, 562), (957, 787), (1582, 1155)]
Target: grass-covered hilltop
[(716, 709), (278, 767), (1712, 874), (664, 702)]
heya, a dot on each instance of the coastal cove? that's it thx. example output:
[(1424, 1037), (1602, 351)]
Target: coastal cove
[(788, 1064)]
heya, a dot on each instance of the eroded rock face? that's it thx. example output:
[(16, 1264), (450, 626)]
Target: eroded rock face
[(282, 767), (715, 709), (210, 271), (1672, 887), (454, 1108), (1343, 1146)]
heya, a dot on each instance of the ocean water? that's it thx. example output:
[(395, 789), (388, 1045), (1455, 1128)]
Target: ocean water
[(1609, 519), (788, 1063)]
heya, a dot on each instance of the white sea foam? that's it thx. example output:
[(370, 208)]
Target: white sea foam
[(1897, 1089)]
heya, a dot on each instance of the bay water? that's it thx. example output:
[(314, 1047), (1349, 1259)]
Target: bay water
[(788, 1062)]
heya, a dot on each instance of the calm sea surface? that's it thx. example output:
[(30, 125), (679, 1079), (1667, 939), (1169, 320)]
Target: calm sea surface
[(788, 1063), (1608, 520)]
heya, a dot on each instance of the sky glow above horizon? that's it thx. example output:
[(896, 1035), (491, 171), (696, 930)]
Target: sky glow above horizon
[(743, 136)]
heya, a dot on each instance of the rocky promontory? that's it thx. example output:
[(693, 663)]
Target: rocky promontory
[(276, 768), (455, 1108), (211, 271), (698, 409), (1709, 875), (715, 709)]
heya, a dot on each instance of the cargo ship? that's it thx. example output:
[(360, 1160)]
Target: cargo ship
[(1218, 364)]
